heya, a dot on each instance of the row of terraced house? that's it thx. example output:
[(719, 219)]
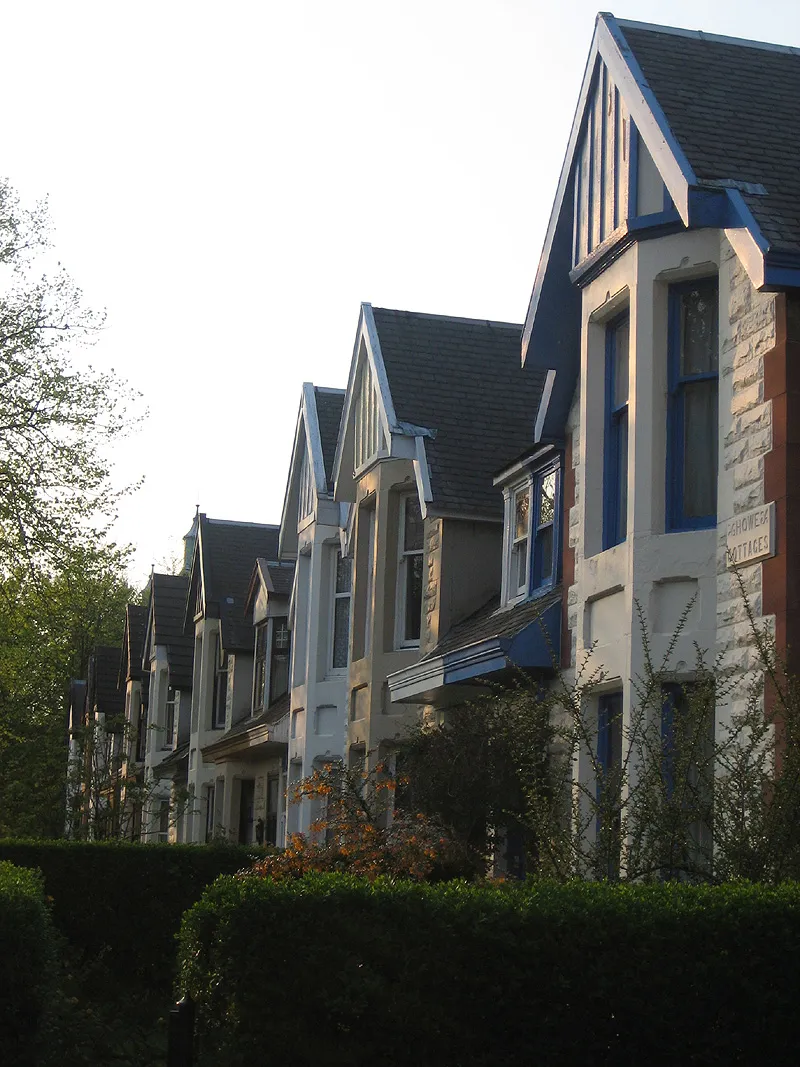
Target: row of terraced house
[(485, 497)]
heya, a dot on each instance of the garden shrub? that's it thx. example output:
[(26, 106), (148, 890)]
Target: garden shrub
[(28, 960), (333, 969), (123, 902)]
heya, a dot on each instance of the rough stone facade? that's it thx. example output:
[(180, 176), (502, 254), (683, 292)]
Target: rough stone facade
[(747, 334)]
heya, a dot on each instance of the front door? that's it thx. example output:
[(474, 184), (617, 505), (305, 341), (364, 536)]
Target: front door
[(246, 804)]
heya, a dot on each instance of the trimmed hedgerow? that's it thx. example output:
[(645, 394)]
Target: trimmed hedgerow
[(123, 902), (28, 961), (335, 970)]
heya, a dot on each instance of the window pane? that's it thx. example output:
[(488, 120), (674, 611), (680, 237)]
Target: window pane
[(700, 449), (699, 330), (544, 547), (341, 631), (621, 344), (522, 503), (547, 499), (412, 540), (622, 478), (344, 568), (521, 549), (413, 597)]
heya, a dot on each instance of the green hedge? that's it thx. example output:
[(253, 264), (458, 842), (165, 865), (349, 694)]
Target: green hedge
[(329, 969), (28, 961), (124, 902)]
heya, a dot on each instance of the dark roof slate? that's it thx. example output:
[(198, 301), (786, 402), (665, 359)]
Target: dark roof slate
[(329, 414), (734, 108), (490, 622), (169, 592), (133, 642), (282, 578), (461, 378), (103, 690), (230, 551)]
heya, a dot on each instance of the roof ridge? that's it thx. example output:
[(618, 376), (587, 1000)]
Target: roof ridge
[(701, 35), (236, 522), (452, 318), (329, 389)]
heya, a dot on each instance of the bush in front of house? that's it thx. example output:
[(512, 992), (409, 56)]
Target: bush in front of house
[(122, 903), (28, 961), (333, 969)]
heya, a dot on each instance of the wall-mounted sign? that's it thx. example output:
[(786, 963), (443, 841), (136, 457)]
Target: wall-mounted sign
[(751, 536)]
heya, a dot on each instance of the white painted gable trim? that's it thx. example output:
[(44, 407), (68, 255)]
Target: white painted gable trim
[(313, 439), (368, 334)]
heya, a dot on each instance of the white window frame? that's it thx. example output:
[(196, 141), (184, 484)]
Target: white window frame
[(336, 552), (512, 592), (403, 558), (175, 703)]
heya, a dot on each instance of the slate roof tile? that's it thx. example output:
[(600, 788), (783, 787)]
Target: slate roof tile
[(133, 643), (329, 414), (462, 379), (735, 111), (489, 622), (169, 593), (230, 551)]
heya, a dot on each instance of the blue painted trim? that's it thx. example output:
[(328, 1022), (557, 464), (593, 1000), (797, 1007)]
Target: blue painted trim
[(609, 711), (536, 585), (676, 520), (613, 532)]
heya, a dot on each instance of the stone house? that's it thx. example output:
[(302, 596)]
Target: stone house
[(434, 406), (224, 556), (664, 317), (312, 529)]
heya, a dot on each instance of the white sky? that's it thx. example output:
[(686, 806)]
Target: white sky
[(231, 180)]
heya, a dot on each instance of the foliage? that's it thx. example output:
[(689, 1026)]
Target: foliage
[(472, 975), (359, 830), (707, 785), (481, 767), (49, 625), (28, 958), (122, 903), (55, 421)]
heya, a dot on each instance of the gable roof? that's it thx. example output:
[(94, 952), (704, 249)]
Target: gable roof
[(133, 638), (705, 108), (223, 561), (168, 593), (734, 108), (454, 388), (276, 578), (315, 437), (329, 403), (103, 690)]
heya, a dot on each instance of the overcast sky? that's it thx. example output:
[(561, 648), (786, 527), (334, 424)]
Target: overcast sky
[(230, 180)]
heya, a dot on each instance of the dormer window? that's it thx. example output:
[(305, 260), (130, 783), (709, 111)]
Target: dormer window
[(532, 525)]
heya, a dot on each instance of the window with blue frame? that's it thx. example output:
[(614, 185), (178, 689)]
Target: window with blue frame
[(533, 536), (615, 476), (544, 529), (692, 411), (609, 781)]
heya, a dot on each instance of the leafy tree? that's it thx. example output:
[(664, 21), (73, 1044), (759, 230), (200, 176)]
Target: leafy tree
[(55, 421), (49, 625)]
